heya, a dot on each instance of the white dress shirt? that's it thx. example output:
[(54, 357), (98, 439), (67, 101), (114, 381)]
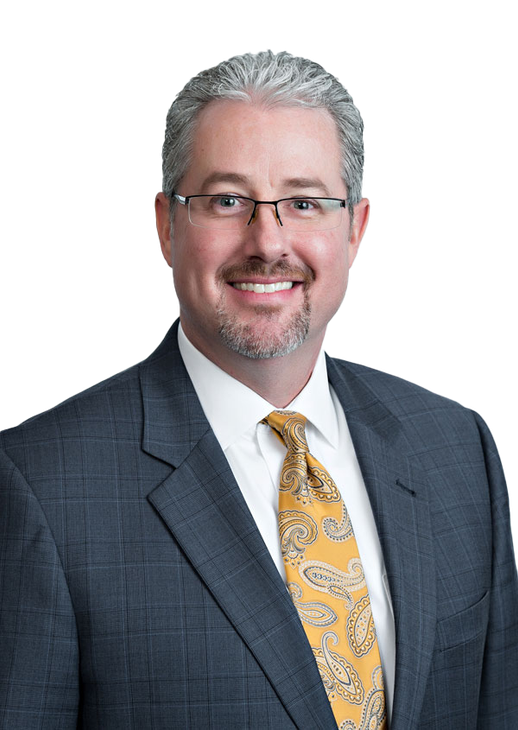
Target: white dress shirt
[(256, 456)]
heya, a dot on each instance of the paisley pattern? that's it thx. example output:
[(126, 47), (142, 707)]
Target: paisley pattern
[(375, 711), (326, 581), (324, 577), (296, 529), (321, 486), (312, 612), (338, 675), (361, 632), (338, 531), (295, 478)]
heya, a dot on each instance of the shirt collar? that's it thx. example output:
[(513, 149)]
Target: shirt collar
[(233, 408)]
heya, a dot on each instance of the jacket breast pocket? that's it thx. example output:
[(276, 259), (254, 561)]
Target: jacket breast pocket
[(463, 627), (452, 696)]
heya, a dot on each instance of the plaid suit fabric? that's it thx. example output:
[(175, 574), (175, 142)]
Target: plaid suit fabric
[(125, 542), (132, 622), (468, 587)]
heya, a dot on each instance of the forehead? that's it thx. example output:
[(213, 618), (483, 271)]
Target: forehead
[(267, 147)]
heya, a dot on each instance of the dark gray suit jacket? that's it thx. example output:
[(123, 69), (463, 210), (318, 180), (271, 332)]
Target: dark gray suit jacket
[(137, 592)]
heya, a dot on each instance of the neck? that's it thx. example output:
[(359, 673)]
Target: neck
[(277, 379)]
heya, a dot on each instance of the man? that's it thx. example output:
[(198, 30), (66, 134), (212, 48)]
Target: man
[(189, 544)]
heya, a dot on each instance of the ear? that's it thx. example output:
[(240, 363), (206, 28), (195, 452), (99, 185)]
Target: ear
[(163, 225), (360, 220)]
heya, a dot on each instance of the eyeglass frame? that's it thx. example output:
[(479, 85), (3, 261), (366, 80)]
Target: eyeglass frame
[(184, 200)]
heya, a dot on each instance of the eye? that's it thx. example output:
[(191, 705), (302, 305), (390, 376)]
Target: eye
[(303, 207), (226, 205), (299, 204), (226, 201)]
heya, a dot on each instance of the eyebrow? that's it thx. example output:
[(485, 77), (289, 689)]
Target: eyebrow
[(225, 177), (297, 183), (300, 183)]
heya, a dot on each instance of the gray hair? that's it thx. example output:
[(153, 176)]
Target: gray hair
[(270, 79)]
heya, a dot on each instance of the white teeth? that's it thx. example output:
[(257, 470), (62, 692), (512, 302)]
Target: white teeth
[(263, 288)]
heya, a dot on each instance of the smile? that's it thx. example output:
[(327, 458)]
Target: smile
[(262, 288)]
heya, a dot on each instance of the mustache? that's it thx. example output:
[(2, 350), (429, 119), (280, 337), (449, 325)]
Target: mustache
[(259, 268)]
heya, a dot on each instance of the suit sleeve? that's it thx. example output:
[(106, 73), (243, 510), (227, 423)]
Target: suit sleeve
[(39, 677), (498, 707)]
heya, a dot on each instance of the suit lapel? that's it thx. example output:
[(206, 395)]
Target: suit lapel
[(204, 509), (397, 492)]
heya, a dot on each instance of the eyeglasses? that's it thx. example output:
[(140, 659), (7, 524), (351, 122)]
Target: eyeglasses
[(224, 212)]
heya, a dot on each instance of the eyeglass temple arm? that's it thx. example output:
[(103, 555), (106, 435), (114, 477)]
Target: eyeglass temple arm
[(179, 198)]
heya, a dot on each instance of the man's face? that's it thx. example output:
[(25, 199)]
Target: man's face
[(244, 149)]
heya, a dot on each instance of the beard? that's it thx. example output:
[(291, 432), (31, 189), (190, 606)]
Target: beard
[(260, 340), (257, 341)]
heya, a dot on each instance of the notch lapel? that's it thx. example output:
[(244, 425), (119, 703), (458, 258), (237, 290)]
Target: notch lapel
[(398, 496), (204, 509)]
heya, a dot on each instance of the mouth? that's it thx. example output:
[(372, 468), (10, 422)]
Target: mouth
[(254, 283), (260, 288)]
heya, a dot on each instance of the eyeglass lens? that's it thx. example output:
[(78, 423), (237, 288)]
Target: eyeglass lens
[(229, 212)]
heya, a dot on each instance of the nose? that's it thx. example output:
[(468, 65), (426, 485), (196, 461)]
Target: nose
[(256, 209), (264, 237)]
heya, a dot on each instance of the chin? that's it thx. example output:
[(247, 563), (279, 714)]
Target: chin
[(267, 340)]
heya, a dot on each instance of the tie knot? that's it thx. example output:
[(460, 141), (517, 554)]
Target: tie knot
[(291, 428)]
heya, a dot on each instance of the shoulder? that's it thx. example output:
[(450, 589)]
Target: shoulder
[(110, 409), (442, 435), (106, 409), (421, 412), (392, 390)]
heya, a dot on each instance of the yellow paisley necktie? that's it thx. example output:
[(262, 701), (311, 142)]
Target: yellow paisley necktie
[(326, 581)]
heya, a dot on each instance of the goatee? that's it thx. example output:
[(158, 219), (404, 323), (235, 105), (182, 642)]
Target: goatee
[(258, 341)]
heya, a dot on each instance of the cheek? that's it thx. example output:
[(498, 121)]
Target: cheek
[(332, 270), (331, 259), (196, 260)]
